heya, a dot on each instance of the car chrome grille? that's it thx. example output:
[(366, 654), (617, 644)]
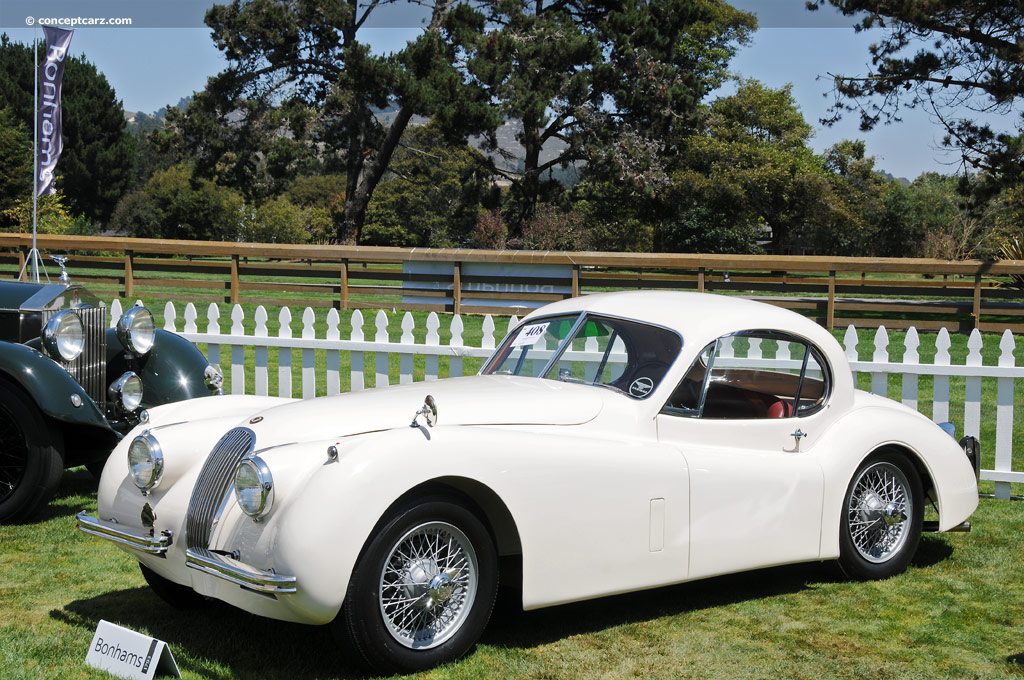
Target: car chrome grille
[(214, 481), (90, 368)]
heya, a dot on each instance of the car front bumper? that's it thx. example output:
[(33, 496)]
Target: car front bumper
[(220, 566)]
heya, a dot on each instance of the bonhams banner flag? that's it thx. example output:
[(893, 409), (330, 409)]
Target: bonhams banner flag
[(51, 72)]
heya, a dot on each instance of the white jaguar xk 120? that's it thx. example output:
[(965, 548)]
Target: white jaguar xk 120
[(612, 442)]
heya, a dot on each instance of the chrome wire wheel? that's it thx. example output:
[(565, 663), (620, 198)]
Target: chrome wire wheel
[(428, 585), (880, 511)]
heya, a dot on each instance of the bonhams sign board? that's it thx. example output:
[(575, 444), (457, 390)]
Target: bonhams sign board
[(432, 283), (128, 654)]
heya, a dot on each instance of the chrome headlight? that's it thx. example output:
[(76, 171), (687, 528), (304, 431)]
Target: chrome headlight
[(126, 391), (145, 462), (214, 378), (64, 335), (254, 487), (136, 330)]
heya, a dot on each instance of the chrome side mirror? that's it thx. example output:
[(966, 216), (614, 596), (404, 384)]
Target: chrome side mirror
[(428, 411)]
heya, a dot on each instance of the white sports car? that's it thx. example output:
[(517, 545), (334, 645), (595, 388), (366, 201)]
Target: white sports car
[(611, 443)]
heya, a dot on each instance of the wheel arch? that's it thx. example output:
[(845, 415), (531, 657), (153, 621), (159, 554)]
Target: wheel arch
[(480, 497), (923, 472)]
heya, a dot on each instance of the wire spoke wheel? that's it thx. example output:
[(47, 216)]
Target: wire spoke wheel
[(879, 512), (428, 585)]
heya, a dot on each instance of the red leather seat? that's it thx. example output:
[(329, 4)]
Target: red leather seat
[(780, 409)]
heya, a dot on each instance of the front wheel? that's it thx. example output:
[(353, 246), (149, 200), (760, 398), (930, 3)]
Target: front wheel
[(31, 459), (882, 517), (423, 589)]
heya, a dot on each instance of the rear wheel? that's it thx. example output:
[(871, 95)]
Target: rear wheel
[(882, 516), (423, 590), (31, 459)]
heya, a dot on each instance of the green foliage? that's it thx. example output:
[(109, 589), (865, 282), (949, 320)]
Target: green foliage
[(948, 58), (317, 191), (616, 85), (276, 221), (176, 205), (96, 164), (552, 228), (301, 94), (52, 216), (432, 194), (15, 165), (752, 166)]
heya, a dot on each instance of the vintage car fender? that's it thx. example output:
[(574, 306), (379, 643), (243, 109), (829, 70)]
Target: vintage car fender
[(49, 386), (327, 511), (876, 423), (172, 371)]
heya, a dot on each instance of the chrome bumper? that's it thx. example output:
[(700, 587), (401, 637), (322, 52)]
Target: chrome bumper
[(151, 545), (233, 571)]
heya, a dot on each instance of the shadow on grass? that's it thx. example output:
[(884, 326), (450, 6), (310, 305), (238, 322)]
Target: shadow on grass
[(76, 492), (220, 641), (511, 627), (932, 550)]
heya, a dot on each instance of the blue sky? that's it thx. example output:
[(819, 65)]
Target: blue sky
[(153, 67)]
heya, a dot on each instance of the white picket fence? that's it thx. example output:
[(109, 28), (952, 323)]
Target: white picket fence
[(228, 349)]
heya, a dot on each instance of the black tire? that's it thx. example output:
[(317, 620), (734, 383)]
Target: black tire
[(428, 529), (178, 596), (31, 456), (883, 511)]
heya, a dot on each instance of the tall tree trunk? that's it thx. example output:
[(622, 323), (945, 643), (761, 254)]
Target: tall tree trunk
[(350, 227)]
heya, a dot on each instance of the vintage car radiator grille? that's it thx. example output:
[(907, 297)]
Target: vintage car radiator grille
[(90, 368), (214, 481)]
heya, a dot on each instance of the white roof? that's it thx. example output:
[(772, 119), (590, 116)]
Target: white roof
[(699, 317)]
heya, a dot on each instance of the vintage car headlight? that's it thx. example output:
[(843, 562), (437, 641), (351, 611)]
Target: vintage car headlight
[(136, 330), (64, 335), (214, 378), (145, 461), (254, 487), (126, 391)]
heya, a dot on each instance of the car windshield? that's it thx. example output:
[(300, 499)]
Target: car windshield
[(626, 356)]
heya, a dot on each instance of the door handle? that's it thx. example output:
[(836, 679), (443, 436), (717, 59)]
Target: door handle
[(799, 434)]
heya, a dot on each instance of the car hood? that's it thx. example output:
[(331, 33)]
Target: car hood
[(473, 400)]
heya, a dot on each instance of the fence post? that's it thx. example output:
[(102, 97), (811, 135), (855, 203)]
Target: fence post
[(344, 283), (575, 280), (22, 258), (129, 273), (976, 312), (1004, 416), (700, 279), (457, 288), (830, 317), (234, 278)]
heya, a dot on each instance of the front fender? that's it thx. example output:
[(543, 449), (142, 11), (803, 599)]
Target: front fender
[(49, 385), (171, 371), (850, 441)]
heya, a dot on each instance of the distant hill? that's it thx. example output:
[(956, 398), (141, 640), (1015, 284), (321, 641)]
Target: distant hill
[(891, 178), (142, 123)]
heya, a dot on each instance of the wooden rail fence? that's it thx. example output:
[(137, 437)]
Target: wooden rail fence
[(836, 291)]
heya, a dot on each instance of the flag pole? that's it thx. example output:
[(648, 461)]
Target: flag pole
[(34, 254)]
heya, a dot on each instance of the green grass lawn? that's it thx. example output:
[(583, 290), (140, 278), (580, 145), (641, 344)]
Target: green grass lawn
[(958, 612)]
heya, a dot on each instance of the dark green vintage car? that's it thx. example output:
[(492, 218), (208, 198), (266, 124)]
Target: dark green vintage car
[(71, 386)]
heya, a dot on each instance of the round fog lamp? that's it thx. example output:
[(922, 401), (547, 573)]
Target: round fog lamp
[(254, 487), (126, 391), (145, 461), (64, 335), (136, 330)]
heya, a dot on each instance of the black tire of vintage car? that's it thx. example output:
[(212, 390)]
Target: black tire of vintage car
[(71, 387)]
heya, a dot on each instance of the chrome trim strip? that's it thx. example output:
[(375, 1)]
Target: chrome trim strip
[(239, 573), (152, 545)]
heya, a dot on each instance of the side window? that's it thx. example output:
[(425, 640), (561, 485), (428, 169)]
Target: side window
[(753, 374)]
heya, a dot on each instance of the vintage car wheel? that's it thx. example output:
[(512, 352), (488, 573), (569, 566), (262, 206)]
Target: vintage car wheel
[(423, 589), (882, 516), (31, 462), (174, 594)]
